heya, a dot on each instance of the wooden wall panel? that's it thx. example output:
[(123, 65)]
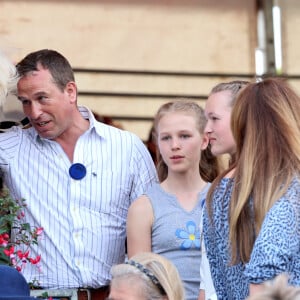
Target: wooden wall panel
[(154, 35)]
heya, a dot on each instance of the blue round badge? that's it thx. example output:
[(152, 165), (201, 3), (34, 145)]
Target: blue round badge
[(77, 171)]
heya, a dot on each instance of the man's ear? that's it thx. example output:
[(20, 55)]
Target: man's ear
[(71, 90), (205, 142)]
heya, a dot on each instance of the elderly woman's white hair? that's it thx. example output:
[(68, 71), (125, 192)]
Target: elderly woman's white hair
[(277, 289), (8, 77)]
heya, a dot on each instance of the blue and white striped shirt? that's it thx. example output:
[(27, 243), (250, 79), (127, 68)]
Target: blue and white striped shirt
[(84, 220)]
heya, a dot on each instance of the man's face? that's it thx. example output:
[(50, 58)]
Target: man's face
[(47, 107)]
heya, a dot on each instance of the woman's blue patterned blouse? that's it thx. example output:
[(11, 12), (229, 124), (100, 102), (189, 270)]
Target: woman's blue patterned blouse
[(276, 249)]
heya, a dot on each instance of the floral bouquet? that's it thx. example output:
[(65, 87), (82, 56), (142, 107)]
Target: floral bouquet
[(12, 220)]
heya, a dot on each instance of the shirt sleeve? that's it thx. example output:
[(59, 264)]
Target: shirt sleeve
[(206, 282), (9, 142), (142, 169), (277, 242)]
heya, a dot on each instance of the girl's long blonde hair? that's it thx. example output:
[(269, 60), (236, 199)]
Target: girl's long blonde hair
[(265, 124)]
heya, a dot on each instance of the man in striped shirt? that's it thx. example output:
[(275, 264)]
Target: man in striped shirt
[(77, 175)]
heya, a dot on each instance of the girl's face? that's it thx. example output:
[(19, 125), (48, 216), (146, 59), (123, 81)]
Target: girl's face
[(122, 289), (180, 142), (218, 112)]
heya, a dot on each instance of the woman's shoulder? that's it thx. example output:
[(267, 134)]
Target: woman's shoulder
[(141, 206), (222, 193), (156, 192), (292, 194), (225, 183), (295, 184), (290, 199)]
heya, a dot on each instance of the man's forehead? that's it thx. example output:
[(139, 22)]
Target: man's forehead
[(37, 72)]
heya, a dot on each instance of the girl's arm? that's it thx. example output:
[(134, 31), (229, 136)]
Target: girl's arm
[(139, 226), (201, 295), (255, 288)]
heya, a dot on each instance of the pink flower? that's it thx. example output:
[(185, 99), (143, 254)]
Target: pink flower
[(36, 260), (22, 255), (9, 252), (25, 235), (19, 269), (39, 230), (13, 260), (4, 239), (21, 215)]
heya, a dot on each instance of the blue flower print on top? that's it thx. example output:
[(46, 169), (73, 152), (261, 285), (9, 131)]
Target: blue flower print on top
[(191, 236)]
